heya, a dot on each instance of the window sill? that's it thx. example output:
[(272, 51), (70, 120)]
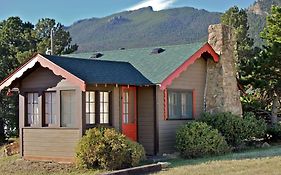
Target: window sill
[(97, 125), (63, 128), (189, 119), (50, 126)]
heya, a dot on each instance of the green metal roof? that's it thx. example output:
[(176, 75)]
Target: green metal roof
[(155, 67)]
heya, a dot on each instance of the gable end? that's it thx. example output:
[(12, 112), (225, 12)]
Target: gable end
[(205, 48), (44, 63)]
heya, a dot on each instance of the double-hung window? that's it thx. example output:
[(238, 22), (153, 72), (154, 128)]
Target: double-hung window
[(32, 109), (97, 107), (50, 109), (104, 107), (90, 107), (180, 104), (68, 112)]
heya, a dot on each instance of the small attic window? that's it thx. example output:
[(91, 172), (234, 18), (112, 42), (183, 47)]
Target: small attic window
[(157, 50), (97, 55)]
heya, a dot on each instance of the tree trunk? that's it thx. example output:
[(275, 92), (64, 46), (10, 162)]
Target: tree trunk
[(274, 111)]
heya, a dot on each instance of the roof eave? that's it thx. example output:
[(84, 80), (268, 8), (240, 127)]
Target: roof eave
[(57, 70)]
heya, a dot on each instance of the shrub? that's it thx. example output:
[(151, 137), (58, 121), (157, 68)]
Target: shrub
[(106, 148), (275, 132), (197, 139), (236, 129), (137, 152), (228, 125), (254, 127)]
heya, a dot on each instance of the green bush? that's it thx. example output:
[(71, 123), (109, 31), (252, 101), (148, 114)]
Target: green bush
[(106, 148), (274, 132), (236, 129), (254, 127), (197, 139)]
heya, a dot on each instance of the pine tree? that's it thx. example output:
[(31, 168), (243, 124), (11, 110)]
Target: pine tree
[(19, 41), (238, 19), (268, 65)]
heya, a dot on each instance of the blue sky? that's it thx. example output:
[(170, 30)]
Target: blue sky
[(69, 11)]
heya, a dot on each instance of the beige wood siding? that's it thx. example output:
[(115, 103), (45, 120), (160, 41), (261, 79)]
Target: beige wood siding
[(193, 78), (43, 143), (43, 79), (40, 78), (116, 108), (146, 119), (56, 143)]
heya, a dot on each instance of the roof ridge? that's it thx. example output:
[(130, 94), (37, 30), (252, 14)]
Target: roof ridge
[(87, 59), (167, 46)]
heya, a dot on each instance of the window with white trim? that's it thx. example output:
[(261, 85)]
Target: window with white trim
[(50, 108), (32, 109), (68, 108), (104, 107), (97, 107), (90, 107)]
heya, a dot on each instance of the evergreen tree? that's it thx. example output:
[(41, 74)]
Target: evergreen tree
[(267, 72), (19, 41), (61, 37), (15, 39), (237, 18)]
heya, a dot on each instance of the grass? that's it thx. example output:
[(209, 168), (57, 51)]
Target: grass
[(16, 166), (248, 154), (256, 162), (258, 166)]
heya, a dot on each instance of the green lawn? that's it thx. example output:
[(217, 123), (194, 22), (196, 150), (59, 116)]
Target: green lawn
[(259, 166), (251, 162), (257, 162)]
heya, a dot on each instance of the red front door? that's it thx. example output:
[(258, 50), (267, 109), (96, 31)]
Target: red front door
[(129, 114)]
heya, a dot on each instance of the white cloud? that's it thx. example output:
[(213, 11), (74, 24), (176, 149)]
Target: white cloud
[(155, 4)]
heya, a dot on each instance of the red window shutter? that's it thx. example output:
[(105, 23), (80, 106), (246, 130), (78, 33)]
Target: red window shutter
[(194, 103), (165, 104)]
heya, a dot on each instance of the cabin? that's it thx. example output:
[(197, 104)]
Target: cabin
[(145, 93)]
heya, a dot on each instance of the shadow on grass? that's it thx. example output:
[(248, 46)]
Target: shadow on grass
[(248, 154)]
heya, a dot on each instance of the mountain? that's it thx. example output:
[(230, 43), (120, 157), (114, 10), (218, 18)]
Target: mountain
[(257, 18), (143, 28)]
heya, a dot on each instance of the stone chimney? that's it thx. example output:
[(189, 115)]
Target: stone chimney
[(222, 93)]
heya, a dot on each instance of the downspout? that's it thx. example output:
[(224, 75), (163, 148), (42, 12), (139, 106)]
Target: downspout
[(206, 86)]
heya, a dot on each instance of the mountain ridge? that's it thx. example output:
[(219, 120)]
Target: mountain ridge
[(146, 28), (143, 28), (257, 13)]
